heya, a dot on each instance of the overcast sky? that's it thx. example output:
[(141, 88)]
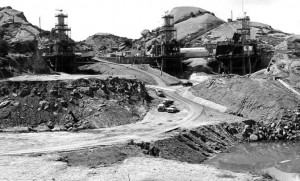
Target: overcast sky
[(129, 17)]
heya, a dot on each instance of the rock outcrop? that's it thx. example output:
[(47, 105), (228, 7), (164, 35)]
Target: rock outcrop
[(107, 42), (18, 31), (23, 40)]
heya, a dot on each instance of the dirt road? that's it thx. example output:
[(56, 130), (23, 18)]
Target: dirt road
[(156, 125)]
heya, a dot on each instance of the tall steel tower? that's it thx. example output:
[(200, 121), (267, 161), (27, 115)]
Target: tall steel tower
[(61, 27)]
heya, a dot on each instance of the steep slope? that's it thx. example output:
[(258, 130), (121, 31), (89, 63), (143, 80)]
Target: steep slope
[(196, 24), (23, 40), (17, 29), (286, 61), (263, 32), (185, 12)]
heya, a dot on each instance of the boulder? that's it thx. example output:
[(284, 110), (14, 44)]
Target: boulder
[(42, 128), (4, 104), (24, 92), (53, 92), (145, 33), (58, 127), (86, 90), (253, 137)]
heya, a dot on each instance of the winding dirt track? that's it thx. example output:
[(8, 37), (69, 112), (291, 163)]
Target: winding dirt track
[(154, 126)]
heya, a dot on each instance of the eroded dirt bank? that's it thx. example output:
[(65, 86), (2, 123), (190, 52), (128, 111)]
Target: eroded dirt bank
[(71, 104), (258, 99)]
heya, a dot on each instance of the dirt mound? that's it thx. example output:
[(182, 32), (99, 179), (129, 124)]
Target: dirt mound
[(168, 79), (71, 104), (258, 99), (114, 69)]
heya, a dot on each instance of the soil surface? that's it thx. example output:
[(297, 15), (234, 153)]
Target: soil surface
[(53, 167), (100, 156), (258, 99), (142, 72)]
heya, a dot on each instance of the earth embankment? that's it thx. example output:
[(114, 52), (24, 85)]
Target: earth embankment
[(71, 104)]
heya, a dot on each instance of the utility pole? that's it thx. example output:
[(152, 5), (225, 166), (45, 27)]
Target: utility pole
[(40, 24)]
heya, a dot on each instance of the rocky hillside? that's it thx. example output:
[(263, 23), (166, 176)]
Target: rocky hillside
[(188, 21), (263, 32), (18, 32), (106, 42), (23, 39)]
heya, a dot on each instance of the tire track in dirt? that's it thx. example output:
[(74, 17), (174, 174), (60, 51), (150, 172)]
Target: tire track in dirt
[(137, 133)]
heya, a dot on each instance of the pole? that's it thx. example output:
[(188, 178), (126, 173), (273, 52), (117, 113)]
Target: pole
[(249, 60), (40, 24), (181, 68), (161, 66), (56, 64), (243, 6)]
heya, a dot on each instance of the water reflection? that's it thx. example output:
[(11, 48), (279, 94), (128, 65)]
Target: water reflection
[(280, 159)]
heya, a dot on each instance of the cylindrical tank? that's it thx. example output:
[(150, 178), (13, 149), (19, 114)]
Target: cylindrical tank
[(168, 20), (61, 20), (194, 52)]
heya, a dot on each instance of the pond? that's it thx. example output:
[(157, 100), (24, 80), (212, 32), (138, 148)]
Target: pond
[(280, 159)]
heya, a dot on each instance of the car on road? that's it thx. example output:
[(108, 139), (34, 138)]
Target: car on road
[(172, 109), (168, 102), (161, 108), (187, 83), (159, 93)]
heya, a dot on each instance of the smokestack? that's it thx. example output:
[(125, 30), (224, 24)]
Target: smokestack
[(231, 15)]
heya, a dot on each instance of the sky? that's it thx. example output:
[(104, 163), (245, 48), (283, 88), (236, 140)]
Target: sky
[(128, 18)]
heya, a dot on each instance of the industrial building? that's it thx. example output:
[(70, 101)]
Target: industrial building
[(241, 54)]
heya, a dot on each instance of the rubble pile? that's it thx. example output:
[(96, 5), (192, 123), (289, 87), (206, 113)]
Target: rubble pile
[(71, 104), (287, 128)]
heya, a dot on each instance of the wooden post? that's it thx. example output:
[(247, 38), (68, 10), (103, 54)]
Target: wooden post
[(249, 60), (243, 63), (56, 64), (180, 61), (230, 65), (161, 66)]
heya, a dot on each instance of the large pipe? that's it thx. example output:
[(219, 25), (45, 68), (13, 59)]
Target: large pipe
[(194, 52)]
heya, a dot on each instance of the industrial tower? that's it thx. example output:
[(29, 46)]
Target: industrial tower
[(167, 52), (244, 31), (60, 54), (61, 27)]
